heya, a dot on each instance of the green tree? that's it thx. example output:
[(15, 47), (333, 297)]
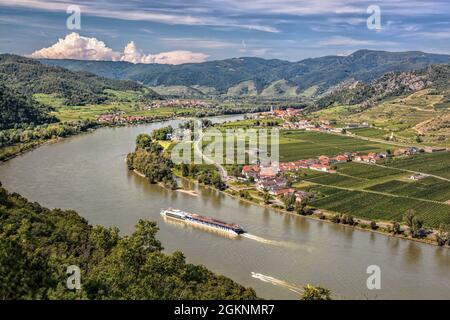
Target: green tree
[(336, 218), (414, 223), (300, 206), (289, 201), (266, 197), (184, 170), (348, 219), (396, 228), (37, 244), (315, 293), (373, 225), (443, 234)]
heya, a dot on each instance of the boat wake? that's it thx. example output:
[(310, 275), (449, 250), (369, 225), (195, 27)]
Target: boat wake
[(277, 282), (274, 242)]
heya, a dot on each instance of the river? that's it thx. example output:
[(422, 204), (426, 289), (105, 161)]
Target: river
[(87, 173)]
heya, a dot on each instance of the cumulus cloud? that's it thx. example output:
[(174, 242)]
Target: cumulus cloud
[(74, 46)]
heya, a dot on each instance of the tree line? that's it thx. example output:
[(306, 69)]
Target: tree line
[(150, 160)]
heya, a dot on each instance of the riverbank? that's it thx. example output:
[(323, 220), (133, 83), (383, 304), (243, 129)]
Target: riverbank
[(326, 216), (9, 152)]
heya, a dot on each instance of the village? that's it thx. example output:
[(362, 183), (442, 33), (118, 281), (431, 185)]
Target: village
[(182, 103), (271, 177), (292, 120), (119, 117)]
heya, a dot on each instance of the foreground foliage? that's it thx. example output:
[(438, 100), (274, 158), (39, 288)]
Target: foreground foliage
[(38, 244)]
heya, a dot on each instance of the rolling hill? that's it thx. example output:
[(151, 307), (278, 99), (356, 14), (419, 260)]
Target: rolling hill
[(29, 76), (17, 109), (315, 75), (391, 84), (408, 107)]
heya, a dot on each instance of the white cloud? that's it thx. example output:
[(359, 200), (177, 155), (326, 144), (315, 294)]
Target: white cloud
[(74, 46), (176, 57)]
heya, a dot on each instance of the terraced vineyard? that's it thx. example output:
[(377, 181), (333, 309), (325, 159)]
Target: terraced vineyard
[(366, 171), (433, 163), (370, 132), (296, 145), (379, 206), (429, 188), (378, 193), (337, 180)]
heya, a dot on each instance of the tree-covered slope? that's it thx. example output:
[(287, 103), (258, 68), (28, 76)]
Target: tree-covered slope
[(17, 109), (323, 72), (29, 76), (38, 244)]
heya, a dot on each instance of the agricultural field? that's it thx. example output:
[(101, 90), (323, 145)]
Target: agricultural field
[(428, 188), (336, 180), (420, 113), (370, 132), (378, 193), (126, 101), (250, 123), (93, 111), (354, 175), (432, 163), (296, 145), (379, 206), (364, 171)]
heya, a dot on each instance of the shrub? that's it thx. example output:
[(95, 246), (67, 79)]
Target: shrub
[(373, 225), (336, 218)]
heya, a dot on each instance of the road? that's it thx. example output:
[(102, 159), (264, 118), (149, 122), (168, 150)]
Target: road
[(223, 173)]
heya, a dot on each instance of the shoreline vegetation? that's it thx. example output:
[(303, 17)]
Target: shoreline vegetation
[(23, 138), (324, 216)]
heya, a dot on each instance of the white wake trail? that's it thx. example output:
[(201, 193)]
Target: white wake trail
[(277, 282), (275, 243)]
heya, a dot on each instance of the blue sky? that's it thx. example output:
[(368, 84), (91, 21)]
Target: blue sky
[(218, 29)]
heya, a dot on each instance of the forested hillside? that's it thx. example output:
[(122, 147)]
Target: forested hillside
[(316, 74), (29, 76), (17, 109), (37, 245)]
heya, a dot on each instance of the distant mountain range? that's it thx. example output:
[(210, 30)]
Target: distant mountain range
[(247, 77)]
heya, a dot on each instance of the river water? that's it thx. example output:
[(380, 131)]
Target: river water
[(282, 252)]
